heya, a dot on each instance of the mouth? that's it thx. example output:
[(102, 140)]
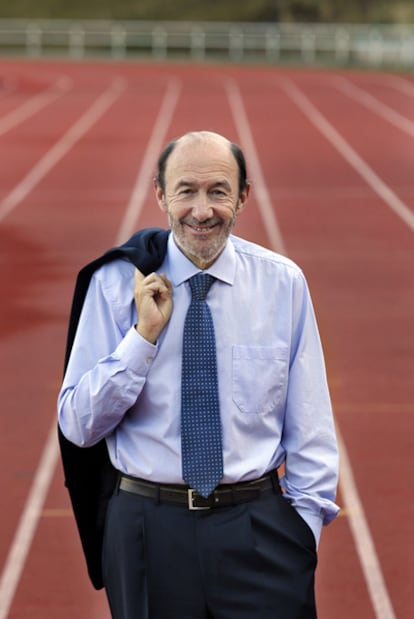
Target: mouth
[(201, 230)]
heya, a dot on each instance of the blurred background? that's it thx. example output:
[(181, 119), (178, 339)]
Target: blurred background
[(371, 33), (352, 11)]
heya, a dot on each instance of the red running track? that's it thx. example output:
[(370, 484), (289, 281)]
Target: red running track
[(331, 159)]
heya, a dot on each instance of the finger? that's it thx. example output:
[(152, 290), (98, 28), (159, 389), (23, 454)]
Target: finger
[(138, 276), (166, 281)]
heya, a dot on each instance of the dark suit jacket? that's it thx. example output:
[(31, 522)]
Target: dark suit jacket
[(89, 474)]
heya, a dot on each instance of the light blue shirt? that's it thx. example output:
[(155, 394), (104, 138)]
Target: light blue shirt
[(274, 399)]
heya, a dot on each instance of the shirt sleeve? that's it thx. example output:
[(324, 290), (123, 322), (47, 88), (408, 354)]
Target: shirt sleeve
[(309, 440), (107, 368)]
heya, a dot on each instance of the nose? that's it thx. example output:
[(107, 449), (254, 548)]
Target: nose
[(202, 209)]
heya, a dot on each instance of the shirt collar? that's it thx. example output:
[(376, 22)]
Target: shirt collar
[(180, 268)]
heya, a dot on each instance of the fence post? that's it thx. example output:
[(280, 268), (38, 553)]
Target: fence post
[(308, 47), (118, 41), (236, 44), (76, 42), (33, 40), (272, 45), (159, 43), (407, 50), (198, 44), (342, 46), (375, 47)]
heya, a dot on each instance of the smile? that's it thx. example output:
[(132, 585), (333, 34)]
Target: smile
[(202, 229)]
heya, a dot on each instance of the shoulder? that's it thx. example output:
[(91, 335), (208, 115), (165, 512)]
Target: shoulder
[(115, 279), (264, 257), (146, 249)]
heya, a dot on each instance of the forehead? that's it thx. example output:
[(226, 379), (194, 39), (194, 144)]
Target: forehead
[(202, 160)]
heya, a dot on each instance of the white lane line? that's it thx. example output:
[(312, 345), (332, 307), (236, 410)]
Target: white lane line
[(364, 543), (399, 83), (358, 522), (34, 104), (22, 540), (147, 168), (260, 189), (62, 147), (28, 521), (374, 105), (348, 153)]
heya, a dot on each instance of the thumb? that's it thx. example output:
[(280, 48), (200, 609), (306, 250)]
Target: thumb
[(138, 277)]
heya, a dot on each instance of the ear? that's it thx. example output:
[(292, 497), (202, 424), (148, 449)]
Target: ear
[(160, 196), (243, 198)]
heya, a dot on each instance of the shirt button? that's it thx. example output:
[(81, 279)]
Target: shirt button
[(149, 360)]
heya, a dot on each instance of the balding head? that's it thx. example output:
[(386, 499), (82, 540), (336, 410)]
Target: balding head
[(200, 138)]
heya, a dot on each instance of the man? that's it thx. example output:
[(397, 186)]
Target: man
[(244, 550)]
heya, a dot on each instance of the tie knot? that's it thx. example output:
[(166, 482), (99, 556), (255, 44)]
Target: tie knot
[(200, 285)]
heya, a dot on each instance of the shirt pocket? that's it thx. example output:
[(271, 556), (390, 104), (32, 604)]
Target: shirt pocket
[(259, 378)]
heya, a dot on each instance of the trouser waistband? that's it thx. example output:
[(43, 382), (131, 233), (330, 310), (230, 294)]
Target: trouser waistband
[(223, 495)]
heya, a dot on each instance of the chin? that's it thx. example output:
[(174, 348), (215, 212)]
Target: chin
[(202, 256)]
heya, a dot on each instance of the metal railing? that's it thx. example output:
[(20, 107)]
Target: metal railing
[(342, 44)]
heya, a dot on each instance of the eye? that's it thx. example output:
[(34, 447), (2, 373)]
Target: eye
[(185, 191)]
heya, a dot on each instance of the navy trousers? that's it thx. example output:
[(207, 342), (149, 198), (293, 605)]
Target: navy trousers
[(255, 560)]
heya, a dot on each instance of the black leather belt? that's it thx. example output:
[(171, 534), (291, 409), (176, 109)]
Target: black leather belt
[(223, 495)]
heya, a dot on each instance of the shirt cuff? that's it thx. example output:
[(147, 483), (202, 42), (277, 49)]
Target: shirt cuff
[(136, 352)]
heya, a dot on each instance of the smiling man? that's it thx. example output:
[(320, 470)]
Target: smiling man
[(198, 364)]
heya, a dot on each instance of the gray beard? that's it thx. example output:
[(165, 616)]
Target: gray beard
[(204, 254)]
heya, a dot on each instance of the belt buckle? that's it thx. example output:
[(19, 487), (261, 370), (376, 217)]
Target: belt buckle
[(191, 497)]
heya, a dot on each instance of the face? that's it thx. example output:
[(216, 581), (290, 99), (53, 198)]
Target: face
[(201, 196)]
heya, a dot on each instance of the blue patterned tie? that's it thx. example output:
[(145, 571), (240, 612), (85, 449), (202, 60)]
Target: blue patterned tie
[(202, 453)]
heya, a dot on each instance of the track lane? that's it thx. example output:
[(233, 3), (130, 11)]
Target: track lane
[(316, 234), (342, 576), (37, 218), (386, 148), (354, 251), (395, 92), (25, 600)]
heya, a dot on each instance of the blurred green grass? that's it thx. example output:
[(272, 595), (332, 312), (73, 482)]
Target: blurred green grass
[(375, 11)]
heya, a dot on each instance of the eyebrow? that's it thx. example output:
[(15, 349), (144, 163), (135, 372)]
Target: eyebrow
[(183, 183), (189, 183)]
